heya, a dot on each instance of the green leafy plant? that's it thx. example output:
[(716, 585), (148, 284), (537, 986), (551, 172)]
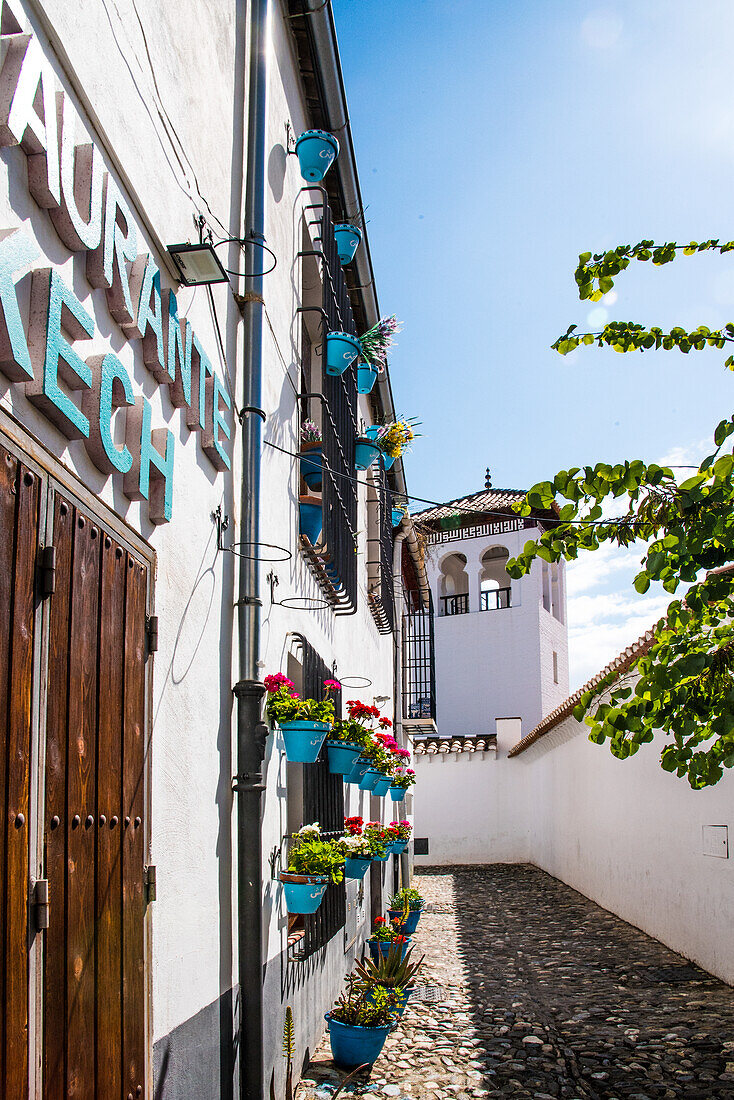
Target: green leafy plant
[(376, 834), (407, 894), (682, 681), (384, 931), (356, 1009), (391, 970), (403, 777), (285, 705), (310, 854), (350, 731)]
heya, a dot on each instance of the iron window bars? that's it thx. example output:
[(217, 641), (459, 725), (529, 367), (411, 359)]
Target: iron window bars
[(455, 605), (379, 553), (494, 599), (419, 665), (339, 424), (323, 801)]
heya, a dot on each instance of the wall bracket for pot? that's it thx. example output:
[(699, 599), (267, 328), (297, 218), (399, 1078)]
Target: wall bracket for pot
[(245, 549), (357, 682), (294, 603)]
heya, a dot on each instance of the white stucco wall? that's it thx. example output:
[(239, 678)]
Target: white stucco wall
[(624, 833)]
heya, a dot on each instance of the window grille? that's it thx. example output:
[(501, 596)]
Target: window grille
[(380, 551), (494, 599), (455, 605), (419, 667), (323, 801)]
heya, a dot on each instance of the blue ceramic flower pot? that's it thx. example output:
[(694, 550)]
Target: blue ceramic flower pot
[(311, 467), (303, 740), (382, 786), (304, 896), (373, 432), (341, 350), (397, 794), (382, 948), (353, 1046), (397, 847), (365, 453), (347, 241), (381, 859), (355, 868), (397, 516), (388, 460), (342, 756), (311, 521), (316, 151), (369, 779), (356, 775), (366, 377), (411, 921), (400, 1001)]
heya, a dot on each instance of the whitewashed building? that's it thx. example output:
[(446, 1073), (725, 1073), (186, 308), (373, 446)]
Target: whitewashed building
[(152, 564)]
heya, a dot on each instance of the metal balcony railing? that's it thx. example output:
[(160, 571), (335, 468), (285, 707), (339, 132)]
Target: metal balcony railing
[(494, 599), (455, 605)]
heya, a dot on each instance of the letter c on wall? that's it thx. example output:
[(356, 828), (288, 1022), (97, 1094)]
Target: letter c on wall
[(111, 389)]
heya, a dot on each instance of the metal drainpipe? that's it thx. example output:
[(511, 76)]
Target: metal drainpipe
[(251, 731), (397, 580)]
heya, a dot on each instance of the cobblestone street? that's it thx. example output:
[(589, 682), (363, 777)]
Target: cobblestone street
[(544, 994)]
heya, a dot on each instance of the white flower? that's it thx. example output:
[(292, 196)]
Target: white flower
[(313, 828)]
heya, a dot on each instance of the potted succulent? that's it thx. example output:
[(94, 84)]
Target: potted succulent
[(397, 908), (341, 350), (316, 151), (312, 864), (310, 517), (403, 779), (398, 836), (304, 723), (347, 241), (393, 972), (358, 1026), (384, 935), (311, 455)]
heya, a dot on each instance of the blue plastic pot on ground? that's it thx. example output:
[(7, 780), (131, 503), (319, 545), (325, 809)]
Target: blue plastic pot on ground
[(353, 1046), (411, 921), (380, 948), (366, 377), (310, 519), (397, 516), (311, 466), (341, 350), (400, 1001), (347, 241), (356, 868), (369, 779), (397, 794), (356, 775), (382, 786), (304, 895), (342, 756), (303, 740), (365, 453), (397, 847), (316, 151)]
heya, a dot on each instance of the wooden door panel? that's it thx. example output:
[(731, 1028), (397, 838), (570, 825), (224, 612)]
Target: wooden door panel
[(20, 496)]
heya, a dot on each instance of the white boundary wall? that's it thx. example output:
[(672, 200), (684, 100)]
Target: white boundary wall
[(624, 833)]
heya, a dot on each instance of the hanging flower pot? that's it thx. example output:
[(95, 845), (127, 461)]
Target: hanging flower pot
[(361, 764), (316, 151), (396, 847), (366, 377), (397, 794), (397, 516), (347, 241), (342, 756), (373, 432), (310, 517), (353, 1046), (369, 779), (303, 739), (382, 786), (303, 893), (382, 859), (341, 350), (311, 465), (365, 453), (388, 460), (355, 868)]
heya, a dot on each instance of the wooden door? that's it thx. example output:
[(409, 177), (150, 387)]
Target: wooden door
[(94, 1004), (72, 766), (20, 498)]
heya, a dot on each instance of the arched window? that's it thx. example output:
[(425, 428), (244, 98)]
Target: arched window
[(453, 586), (494, 582)]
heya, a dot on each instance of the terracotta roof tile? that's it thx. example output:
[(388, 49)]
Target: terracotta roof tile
[(499, 500)]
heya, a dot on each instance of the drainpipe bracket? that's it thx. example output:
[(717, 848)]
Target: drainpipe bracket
[(248, 781)]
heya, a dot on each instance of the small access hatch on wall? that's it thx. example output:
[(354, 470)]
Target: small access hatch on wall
[(716, 841)]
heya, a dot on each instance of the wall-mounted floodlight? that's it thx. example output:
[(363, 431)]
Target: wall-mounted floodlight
[(197, 264)]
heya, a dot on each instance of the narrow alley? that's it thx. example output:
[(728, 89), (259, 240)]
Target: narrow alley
[(541, 993)]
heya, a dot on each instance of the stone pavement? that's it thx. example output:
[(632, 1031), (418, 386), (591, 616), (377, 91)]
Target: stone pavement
[(544, 994)]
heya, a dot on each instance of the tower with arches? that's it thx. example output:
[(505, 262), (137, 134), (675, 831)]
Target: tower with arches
[(501, 645)]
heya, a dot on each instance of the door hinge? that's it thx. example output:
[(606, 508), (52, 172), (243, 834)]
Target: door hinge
[(150, 883), (39, 901), (47, 567), (151, 625)]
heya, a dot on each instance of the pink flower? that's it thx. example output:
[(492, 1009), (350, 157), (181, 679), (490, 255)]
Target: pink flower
[(332, 685), (409, 771), (275, 682)]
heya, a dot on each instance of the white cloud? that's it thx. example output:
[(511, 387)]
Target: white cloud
[(597, 318), (688, 454), (591, 570)]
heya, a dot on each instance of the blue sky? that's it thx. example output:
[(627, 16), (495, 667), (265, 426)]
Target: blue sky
[(496, 140)]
